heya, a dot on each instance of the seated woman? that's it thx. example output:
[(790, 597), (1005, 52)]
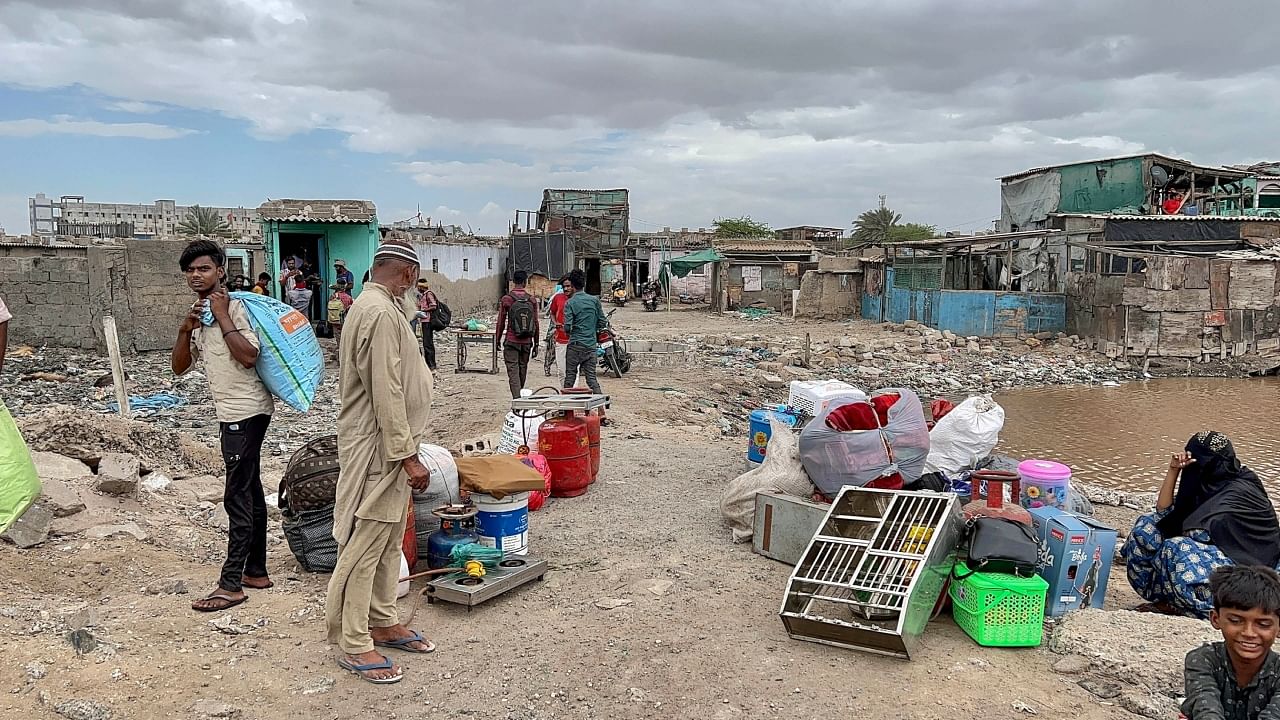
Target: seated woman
[(1221, 515)]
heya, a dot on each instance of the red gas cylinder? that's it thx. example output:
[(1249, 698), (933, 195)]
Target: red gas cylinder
[(410, 542), (593, 432), (994, 505), (563, 441)]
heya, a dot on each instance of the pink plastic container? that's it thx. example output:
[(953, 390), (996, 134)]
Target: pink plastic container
[(1044, 483)]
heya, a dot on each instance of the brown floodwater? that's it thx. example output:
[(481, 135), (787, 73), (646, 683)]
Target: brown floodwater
[(1122, 437)]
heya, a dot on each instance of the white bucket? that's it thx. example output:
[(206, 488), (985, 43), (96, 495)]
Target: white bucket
[(503, 524)]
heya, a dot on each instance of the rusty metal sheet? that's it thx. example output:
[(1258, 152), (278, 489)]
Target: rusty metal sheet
[(1253, 285), (1219, 284), (1266, 325), (791, 269), (1180, 334), (1215, 318), (1142, 332)]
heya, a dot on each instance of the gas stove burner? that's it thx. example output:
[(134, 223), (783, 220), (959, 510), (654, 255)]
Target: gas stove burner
[(509, 574)]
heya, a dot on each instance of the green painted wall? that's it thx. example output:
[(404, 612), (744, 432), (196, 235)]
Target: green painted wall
[(354, 243), (1121, 185)]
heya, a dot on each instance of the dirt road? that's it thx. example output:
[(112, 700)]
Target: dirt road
[(700, 636)]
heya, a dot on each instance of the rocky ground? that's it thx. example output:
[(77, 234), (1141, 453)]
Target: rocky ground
[(648, 610)]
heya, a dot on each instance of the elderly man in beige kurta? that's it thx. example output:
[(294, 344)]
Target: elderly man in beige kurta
[(385, 388)]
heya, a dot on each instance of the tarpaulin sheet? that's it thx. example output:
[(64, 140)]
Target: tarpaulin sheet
[(685, 264), (1166, 231), (547, 254), (1030, 200)]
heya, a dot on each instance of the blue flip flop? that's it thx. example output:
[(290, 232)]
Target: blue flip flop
[(360, 670), (405, 644)]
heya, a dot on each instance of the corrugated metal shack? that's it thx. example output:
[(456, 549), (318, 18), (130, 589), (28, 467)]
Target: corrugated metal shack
[(760, 272), (995, 285), (1199, 289)]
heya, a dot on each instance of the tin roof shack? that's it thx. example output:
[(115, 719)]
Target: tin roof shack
[(825, 239), (833, 290), (645, 252), (970, 285), (1198, 294), (1131, 185), (760, 272), (319, 232), (594, 221), (544, 256)]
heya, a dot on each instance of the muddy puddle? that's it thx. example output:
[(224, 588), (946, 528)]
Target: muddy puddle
[(1122, 437)]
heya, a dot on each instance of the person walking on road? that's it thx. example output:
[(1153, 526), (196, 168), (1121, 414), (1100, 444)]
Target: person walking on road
[(517, 331), (427, 304), (229, 351), (584, 318), (555, 313), (385, 390)]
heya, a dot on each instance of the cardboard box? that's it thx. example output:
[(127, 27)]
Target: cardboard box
[(784, 525), (1075, 559)]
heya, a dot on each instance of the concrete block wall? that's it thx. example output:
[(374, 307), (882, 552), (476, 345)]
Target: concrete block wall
[(48, 294)]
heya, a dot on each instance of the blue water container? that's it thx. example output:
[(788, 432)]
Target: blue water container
[(759, 430)]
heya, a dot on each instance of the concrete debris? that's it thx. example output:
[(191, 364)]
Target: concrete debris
[(118, 474), (1072, 665), (83, 710), (36, 670), (168, 587), (83, 641), (1131, 648), (201, 488), (156, 482), (612, 603), (219, 519), (227, 625), (1156, 707), (1099, 689), (205, 708), (102, 532), (69, 431), (317, 685), (60, 497), (31, 529), (52, 466), (656, 587), (1022, 707)]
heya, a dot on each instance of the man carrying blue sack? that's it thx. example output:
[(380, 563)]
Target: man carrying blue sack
[(243, 406)]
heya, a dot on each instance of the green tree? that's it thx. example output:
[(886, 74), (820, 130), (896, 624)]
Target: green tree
[(912, 231), (742, 227), (875, 227), (204, 221)]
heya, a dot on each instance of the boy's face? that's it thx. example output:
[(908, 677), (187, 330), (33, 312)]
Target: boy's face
[(203, 276), (1249, 634)]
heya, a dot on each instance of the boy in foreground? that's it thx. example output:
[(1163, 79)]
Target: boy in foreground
[(1238, 678)]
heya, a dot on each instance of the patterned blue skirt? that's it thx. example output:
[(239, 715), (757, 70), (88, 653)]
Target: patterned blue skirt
[(1172, 570)]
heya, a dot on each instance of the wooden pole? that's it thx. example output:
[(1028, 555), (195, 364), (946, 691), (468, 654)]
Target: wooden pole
[(806, 350), (117, 365)]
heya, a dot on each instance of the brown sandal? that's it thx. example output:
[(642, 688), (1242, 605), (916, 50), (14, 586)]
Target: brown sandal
[(227, 603)]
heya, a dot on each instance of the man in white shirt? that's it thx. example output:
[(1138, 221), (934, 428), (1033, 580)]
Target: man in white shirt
[(5, 317)]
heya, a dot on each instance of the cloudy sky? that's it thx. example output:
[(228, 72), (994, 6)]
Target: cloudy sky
[(792, 111)]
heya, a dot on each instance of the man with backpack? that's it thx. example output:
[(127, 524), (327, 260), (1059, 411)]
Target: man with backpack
[(517, 331), (428, 304)]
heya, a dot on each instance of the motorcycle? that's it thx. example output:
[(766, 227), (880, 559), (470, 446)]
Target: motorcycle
[(650, 298), (612, 350)]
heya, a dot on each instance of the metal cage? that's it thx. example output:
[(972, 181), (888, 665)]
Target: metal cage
[(872, 574)]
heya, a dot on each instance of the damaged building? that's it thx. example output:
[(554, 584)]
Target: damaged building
[(588, 228)]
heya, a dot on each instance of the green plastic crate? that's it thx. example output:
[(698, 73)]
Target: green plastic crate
[(999, 610)]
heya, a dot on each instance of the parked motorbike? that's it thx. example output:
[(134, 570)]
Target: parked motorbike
[(619, 296), (649, 297), (613, 350)]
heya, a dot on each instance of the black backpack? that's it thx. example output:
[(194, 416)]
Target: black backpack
[(522, 317), (441, 316)]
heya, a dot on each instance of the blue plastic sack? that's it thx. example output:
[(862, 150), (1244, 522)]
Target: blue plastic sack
[(290, 361), (19, 483)]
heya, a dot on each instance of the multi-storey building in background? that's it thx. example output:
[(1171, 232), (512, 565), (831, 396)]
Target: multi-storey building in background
[(71, 216)]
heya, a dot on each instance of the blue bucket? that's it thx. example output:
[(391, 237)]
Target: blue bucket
[(503, 524), (760, 430)]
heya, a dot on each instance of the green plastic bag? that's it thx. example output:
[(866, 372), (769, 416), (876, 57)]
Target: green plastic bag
[(19, 483)]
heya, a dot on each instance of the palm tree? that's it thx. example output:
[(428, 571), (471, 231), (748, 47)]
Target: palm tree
[(874, 227), (204, 221)]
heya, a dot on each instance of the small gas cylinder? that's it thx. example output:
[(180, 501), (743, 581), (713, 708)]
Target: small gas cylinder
[(994, 505), (593, 433), (457, 527), (564, 442)]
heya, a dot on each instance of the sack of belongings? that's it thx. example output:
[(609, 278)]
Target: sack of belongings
[(878, 442), (781, 472), (19, 483), (442, 491), (307, 493), (289, 359), (964, 435)]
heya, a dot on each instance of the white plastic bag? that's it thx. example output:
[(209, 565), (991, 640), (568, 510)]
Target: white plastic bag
[(780, 472), (403, 588), (965, 435)]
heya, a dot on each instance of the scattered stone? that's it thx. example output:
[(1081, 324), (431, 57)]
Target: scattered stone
[(1033, 343), (219, 519), (60, 498), (911, 324), (156, 482), (657, 587), (773, 381), (1072, 665), (206, 708), (1156, 707), (637, 695), (52, 466), (227, 624), (102, 532), (118, 474), (611, 603), (205, 488), (317, 685), (168, 587), (934, 358), (83, 710), (83, 641), (1022, 707), (1100, 690), (36, 670), (31, 529)]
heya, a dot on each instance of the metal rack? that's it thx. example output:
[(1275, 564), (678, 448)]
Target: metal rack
[(872, 574), (560, 403)]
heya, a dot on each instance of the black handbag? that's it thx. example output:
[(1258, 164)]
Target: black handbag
[(998, 545)]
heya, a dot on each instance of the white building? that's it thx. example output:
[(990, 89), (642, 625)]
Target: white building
[(71, 216)]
